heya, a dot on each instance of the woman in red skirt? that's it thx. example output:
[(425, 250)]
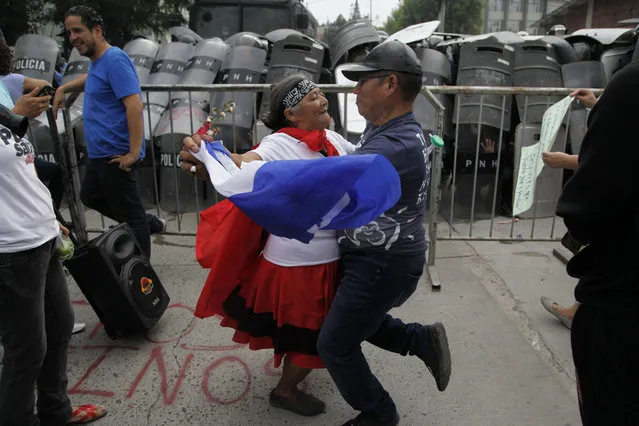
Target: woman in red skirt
[(275, 292)]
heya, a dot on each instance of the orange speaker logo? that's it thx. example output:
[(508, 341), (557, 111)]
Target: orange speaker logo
[(146, 284)]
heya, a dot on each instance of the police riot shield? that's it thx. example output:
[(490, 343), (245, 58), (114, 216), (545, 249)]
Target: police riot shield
[(485, 62), (615, 59), (478, 182), (40, 132), (294, 55), (548, 183), (142, 52), (167, 68), (35, 56), (536, 65), (245, 64), (202, 68), (436, 71), (280, 34), (578, 75), (347, 112), (247, 39), (415, 33), (186, 115), (168, 65), (604, 36), (564, 52), (353, 39), (185, 35), (77, 66)]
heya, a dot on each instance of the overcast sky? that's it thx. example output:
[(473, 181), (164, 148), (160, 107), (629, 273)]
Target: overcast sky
[(324, 10)]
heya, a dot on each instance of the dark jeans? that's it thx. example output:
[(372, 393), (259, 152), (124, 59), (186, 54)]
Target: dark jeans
[(36, 320), (114, 193), (371, 286), (51, 175)]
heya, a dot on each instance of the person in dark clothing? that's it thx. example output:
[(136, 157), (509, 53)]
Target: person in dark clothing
[(600, 208), (384, 260)]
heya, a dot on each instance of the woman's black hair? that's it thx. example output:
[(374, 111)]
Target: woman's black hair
[(88, 16), (5, 58), (275, 119)]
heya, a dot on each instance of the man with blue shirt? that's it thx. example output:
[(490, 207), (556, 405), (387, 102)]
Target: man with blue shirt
[(113, 125), (384, 260)]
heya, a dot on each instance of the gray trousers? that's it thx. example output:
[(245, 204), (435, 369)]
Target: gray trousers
[(36, 320)]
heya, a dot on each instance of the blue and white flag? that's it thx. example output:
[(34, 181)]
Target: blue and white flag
[(295, 198)]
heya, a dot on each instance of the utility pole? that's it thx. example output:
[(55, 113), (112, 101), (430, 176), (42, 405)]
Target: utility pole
[(442, 16), (371, 11)]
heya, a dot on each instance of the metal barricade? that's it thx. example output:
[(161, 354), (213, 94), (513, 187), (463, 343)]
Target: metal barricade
[(484, 175), (537, 224)]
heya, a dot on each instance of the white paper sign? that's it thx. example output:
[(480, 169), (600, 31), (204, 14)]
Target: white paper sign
[(550, 124), (530, 162)]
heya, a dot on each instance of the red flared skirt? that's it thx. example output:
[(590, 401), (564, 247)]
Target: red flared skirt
[(282, 308)]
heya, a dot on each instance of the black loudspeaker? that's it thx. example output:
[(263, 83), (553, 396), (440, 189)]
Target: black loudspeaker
[(119, 282)]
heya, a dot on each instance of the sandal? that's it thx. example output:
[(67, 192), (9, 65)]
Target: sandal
[(87, 413)]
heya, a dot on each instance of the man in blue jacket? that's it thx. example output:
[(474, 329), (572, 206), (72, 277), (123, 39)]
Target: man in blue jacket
[(384, 260)]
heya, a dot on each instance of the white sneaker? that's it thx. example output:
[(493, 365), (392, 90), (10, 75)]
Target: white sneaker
[(78, 327)]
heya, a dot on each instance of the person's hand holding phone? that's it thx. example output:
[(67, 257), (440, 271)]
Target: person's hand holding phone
[(32, 104)]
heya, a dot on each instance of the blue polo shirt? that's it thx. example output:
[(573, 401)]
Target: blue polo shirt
[(400, 229), (111, 78)]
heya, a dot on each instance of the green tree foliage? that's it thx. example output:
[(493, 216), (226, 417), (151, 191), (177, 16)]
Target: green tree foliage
[(122, 18), (331, 28), (465, 16), (355, 12), (462, 16), (19, 17), (412, 12)]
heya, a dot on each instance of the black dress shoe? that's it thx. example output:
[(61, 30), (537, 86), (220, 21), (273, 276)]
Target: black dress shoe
[(369, 420)]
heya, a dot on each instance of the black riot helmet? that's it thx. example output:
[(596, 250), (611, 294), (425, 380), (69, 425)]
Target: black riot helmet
[(392, 55)]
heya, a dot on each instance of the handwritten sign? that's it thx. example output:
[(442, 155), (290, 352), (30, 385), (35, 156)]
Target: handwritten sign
[(550, 124), (530, 162)]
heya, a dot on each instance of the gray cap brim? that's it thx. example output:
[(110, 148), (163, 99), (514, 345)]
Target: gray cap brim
[(355, 72)]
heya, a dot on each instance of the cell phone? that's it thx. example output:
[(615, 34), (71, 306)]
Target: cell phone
[(46, 91)]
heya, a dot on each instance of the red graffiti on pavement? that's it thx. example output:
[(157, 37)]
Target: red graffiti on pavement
[(215, 365), (156, 364)]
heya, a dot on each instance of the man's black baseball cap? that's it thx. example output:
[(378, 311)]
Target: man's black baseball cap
[(391, 55)]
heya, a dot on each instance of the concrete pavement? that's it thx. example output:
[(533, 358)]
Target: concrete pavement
[(511, 360)]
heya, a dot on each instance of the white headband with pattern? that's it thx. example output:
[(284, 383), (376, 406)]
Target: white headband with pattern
[(297, 93)]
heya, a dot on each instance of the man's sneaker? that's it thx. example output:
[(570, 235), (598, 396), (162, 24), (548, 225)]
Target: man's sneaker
[(78, 327), (157, 225), (435, 353), (368, 420)]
